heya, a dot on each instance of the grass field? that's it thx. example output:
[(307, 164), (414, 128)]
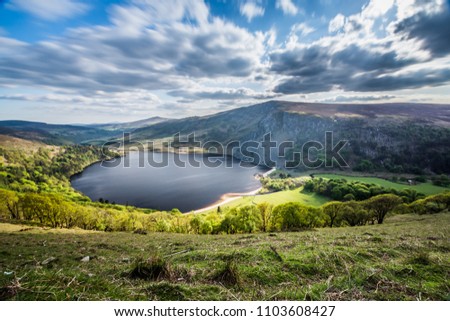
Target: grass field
[(296, 195), (425, 188), (407, 258), (314, 199)]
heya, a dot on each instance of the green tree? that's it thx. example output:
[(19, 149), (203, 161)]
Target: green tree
[(195, 223), (265, 213), (294, 216), (333, 211), (9, 204), (247, 219), (382, 204), (354, 214)]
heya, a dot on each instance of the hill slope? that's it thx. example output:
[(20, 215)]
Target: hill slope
[(404, 259)]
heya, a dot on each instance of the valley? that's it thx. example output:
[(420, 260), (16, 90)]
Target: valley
[(319, 234)]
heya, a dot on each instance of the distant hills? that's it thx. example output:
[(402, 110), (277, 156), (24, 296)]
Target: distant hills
[(53, 134), (401, 137), (130, 125), (71, 134)]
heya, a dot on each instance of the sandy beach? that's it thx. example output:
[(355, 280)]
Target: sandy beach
[(229, 197)]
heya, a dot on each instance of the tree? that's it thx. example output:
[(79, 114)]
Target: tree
[(228, 224), (336, 193), (354, 214), (195, 223), (349, 197), (265, 213), (247, 219), (295, 216), (9, 203), (333, 210), (382, 204)]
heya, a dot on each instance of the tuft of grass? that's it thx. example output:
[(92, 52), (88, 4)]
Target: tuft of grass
[(421, 258), (154, 268), (275, 252), (9, 291), (140, 231), (229, 274)]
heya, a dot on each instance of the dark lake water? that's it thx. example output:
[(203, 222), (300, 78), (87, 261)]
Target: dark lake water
[(168, 187)]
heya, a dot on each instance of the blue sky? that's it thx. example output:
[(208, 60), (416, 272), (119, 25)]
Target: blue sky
[(66, 61)]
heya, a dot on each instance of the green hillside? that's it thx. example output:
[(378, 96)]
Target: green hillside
[(407, 258)]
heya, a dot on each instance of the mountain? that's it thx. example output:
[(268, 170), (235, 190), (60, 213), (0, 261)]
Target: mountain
[(71, 134), (53, 134), (130, 125), (400, 137)]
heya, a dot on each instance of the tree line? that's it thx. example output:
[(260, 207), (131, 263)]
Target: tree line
[(343, 190), (54, 211)]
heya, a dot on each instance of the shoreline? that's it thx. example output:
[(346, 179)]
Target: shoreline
[(229, 197)]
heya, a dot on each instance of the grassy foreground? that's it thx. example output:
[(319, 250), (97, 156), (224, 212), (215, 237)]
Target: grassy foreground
[(407, 258)]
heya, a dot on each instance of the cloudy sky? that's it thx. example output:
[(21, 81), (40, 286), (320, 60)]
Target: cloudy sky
[(72, 61)]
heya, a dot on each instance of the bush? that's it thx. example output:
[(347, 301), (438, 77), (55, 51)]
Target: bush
[(296, 216)]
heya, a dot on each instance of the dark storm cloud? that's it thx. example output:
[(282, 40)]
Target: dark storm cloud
[(416, 79), (318, 69), (365, 83), (302, 85), (300, 62), (318, 62), (366, 66), (432, 30), (361, 59)]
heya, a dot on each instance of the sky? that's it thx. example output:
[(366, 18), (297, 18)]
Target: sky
[(98, 61)]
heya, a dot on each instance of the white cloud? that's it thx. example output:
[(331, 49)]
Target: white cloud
[(409, 8), (49, 9), (357, 98), (377, 8), (302, 28), (118, 57), (251, 10), (136, 99), (362, 21), (142, 13), (173, 56), (287, 6), (361, 60), (337, 23), (146, 49), (220, 94)]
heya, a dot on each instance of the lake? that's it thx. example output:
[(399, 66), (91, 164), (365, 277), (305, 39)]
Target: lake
[(171, 186)]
